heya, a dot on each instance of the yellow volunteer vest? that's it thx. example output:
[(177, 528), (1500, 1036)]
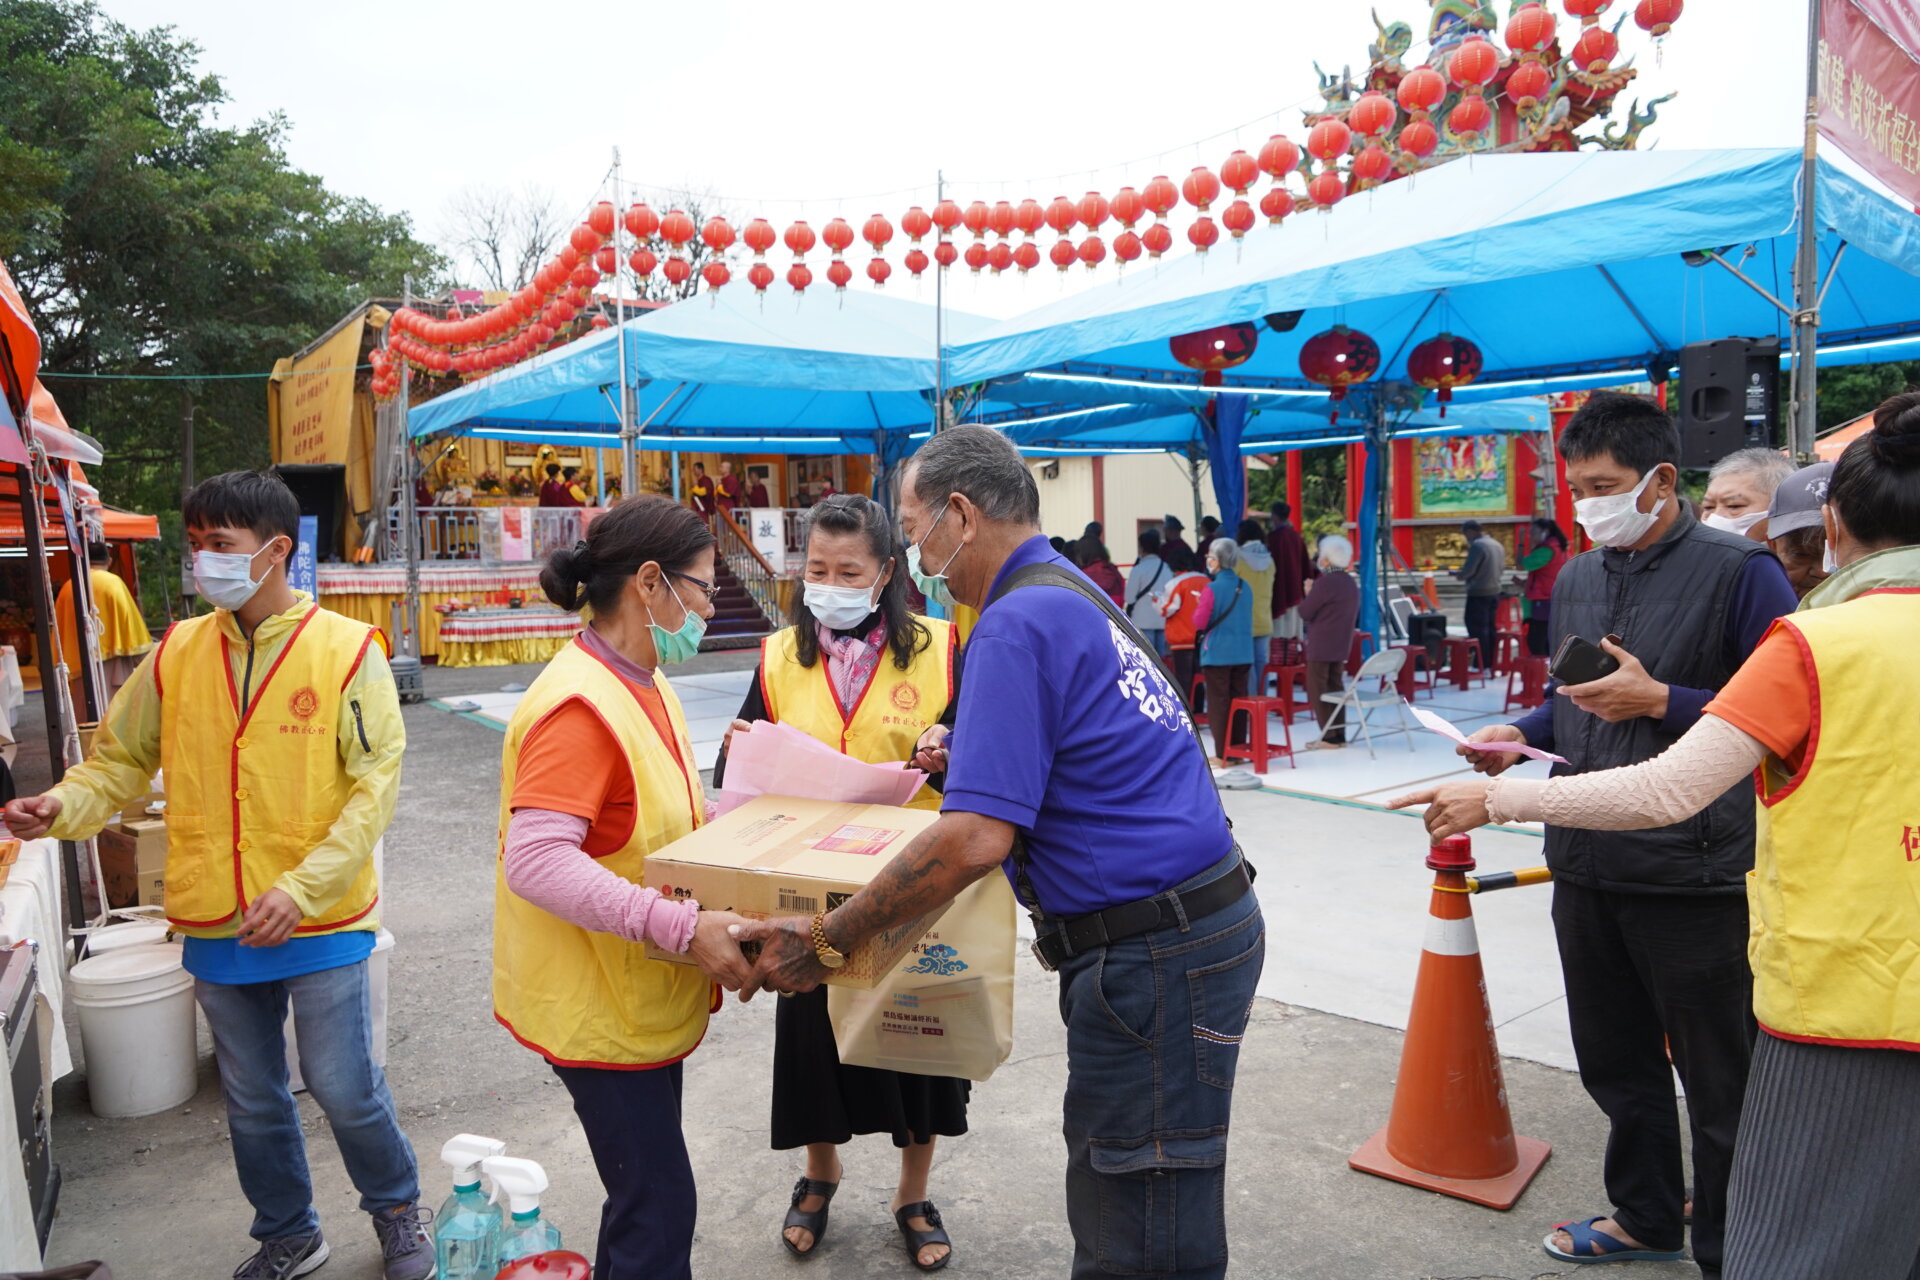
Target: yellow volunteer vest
[(1834, 894), (578, 997), (892, 712), (249, 795)]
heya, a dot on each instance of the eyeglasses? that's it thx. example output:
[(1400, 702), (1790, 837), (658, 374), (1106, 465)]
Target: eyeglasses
[(711, 589)]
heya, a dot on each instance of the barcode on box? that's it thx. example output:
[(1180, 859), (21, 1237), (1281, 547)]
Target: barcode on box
[(791, 901)]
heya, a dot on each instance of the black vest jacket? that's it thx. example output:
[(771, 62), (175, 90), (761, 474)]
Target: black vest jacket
[(1669, 605)]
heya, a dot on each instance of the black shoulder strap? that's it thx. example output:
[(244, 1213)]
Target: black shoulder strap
[(1147, 590)]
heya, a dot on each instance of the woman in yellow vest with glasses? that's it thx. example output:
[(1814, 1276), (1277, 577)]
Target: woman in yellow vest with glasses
[(1827, 710), (861, 673), (598, 772)]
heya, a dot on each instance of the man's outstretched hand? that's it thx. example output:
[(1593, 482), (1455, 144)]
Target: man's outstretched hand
[(787, 961), (31, 817)]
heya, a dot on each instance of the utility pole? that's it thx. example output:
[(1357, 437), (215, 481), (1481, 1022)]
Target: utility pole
[(1806, 264)]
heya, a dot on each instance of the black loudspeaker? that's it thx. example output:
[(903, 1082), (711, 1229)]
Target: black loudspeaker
[(1729, 398), (322, 493)]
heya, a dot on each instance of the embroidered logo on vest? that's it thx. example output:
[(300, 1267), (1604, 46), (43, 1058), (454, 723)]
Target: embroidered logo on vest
[(906, 696), (303, 703)]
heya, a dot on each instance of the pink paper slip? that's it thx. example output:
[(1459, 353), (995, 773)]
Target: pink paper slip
[(1445, 729)]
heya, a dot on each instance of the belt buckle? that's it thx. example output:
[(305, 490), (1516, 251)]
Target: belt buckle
[(1040, 954)]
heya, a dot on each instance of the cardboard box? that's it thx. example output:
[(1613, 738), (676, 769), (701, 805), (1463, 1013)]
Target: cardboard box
[(133, 861), (778, 856)]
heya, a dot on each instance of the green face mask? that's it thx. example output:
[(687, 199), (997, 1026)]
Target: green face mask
[(683, 642)]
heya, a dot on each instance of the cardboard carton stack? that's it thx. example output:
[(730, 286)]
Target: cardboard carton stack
[(133, 853)]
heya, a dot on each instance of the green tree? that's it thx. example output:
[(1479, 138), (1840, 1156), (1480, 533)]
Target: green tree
[(160, 253)]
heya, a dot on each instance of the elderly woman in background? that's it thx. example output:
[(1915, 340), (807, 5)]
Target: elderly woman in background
[(1256, 570), (1739, 488), (1329, 612), (1227, 650)]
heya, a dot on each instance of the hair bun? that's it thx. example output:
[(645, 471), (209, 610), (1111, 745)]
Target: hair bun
[(565, 574), (1895, 438)]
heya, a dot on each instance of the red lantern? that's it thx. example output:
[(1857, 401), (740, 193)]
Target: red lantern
[(1421, 90), (1093, 251), (1093, 210), (1276, 204), (584, 276), (1202, 233), (540, 334), (579, 297), (977, 255), (1237, 218), (977, 216), (1339, 358), (715, 273), (946, 253), (1127, 246), (916, 224), (917, 261), (1595, 50), (837, 235), (606, 260), (878, 270), (676, 228), (717, 234), (568, 257), (1530, 82), (677, 270), (1001, 220), (1129, 208), (759, 236), (1026, 256), (1474, 64), (1239, 171), (1588, 11), (760, 275), (1373, 164), (1062, 214), (1000, 257), (1329, 140), (799, 276), (1531, 29), (1327, 190), (799, 239), (1158, 239), (1160, 196), (1030, 217), (1418, 140), (1443, 363), (1212, 350), (839, 274), (643, 261), (600, 218), (1470, 118), (1658, 16), (1201, 188), (584, 238), (1373, 116), (1279, 157), (878, 231), (642, 223), (946, 216), (1062, 254)]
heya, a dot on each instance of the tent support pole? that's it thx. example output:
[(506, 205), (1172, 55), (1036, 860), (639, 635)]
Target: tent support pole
[(55, 698), (408, 644), (939, 318), (1806, 265), (629, 461)]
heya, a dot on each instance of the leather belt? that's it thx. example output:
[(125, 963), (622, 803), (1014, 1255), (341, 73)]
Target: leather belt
[(1078, 934)]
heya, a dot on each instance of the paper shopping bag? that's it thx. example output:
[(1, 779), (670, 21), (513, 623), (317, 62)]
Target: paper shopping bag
[(947, 1008)]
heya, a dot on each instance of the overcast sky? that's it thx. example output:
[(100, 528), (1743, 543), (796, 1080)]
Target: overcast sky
[(808, 111)]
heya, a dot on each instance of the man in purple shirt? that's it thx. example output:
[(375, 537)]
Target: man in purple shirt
[(1074, 764)]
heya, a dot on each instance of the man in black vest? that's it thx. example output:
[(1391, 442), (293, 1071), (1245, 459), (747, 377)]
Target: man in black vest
[(1652, 925)]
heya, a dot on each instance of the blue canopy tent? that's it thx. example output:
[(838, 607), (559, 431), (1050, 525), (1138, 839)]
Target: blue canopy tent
[(1569, 270)]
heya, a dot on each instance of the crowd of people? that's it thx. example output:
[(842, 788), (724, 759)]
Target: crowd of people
[(1766, 954)]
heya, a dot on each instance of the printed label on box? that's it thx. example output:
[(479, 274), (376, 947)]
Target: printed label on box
[(866, 841)]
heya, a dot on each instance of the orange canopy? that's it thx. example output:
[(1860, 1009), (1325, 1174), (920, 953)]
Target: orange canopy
[(1829, 448), (19, 345)]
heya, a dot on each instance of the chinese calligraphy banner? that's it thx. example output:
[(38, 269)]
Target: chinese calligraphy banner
[(1868, 81), (310, 401)]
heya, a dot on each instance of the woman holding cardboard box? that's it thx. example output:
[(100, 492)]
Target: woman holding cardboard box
[(858, 671), (598, 772)]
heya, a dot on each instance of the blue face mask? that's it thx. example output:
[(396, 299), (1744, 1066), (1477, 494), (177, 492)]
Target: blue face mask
[(933, 585), (681, 643)]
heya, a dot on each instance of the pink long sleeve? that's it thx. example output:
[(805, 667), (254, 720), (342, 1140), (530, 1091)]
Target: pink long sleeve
[(546, 865)]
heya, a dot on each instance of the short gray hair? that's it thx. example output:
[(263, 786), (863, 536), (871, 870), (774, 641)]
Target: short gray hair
[(1769, 466), (1226, 551), (981, 464), (1336, 550)]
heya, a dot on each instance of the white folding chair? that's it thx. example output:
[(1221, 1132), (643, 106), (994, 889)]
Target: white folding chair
[(1386, 666)]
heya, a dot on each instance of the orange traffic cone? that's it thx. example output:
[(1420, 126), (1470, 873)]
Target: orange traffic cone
[(1449, 1130)]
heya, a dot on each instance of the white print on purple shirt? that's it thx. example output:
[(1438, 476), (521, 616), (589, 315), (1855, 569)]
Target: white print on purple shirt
[(1144, 682)]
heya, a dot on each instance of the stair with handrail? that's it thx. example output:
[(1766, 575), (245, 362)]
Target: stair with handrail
[(746, 606)]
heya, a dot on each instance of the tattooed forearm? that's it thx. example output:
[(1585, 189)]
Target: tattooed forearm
[(940, 862)]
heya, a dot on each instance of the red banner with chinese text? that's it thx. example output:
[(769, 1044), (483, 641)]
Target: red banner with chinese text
[(1869, 88)]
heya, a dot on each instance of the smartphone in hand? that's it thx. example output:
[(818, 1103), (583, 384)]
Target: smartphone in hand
[(1580, 661)]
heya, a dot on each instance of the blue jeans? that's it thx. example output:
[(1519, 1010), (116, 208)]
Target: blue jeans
[(1154, 1025), (336, 1060), (1159, 637)]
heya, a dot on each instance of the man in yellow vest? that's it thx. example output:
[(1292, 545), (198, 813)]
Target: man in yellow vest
[(122, 633), (278, 727)]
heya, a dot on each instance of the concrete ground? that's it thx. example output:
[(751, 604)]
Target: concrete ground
[(156, 1197)]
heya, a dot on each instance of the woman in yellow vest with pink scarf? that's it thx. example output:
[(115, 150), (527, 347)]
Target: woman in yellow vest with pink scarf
[(1827, 711), (597, 773), (858, 671)]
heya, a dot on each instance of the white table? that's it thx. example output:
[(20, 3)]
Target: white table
[(13, 696)]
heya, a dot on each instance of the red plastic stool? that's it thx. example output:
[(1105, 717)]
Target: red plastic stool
[(1409, 681), (1290, 678), (1508, 646), (1463, 656), (1530, 672), (1362, 641), (1256, 749)]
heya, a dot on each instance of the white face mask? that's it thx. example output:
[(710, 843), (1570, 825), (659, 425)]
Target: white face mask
[(225, 579), (1616, 519), (1734, 524), (839, 608), (1828, 565)]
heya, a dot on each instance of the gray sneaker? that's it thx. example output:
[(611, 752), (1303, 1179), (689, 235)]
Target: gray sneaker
[(406, 1247), (284, 1258)]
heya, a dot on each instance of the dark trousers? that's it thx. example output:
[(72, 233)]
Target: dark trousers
[(1181, 663), (632, 1119), (1648, 975), (1327, 677), (1539, 624), (1480, 625), (1224, 684), (1154, 1025)]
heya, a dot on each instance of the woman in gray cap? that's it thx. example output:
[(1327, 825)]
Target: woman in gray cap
[(1795, 529)]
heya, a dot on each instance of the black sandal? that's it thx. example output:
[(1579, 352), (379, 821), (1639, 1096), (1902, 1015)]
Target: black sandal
[(816, 1222), (918, 1240)]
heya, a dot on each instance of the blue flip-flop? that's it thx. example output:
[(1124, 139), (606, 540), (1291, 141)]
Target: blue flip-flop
[(1597, 1246)]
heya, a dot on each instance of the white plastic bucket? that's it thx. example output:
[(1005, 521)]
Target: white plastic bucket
[(136, 1023), (135, 934), (376, 1010)]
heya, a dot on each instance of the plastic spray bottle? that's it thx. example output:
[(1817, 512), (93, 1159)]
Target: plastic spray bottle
[(466, 1234), (521, 1182)]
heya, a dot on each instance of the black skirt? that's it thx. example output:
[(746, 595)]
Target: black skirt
[(817, 1099)]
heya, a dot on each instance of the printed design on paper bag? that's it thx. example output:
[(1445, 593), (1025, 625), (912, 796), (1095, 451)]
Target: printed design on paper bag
[(905, 696), (867, 841), (1143, 680), (940, 960), (912, 1024), (303, 703)]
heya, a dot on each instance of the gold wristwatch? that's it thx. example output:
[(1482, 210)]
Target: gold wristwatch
[(822, 949)]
